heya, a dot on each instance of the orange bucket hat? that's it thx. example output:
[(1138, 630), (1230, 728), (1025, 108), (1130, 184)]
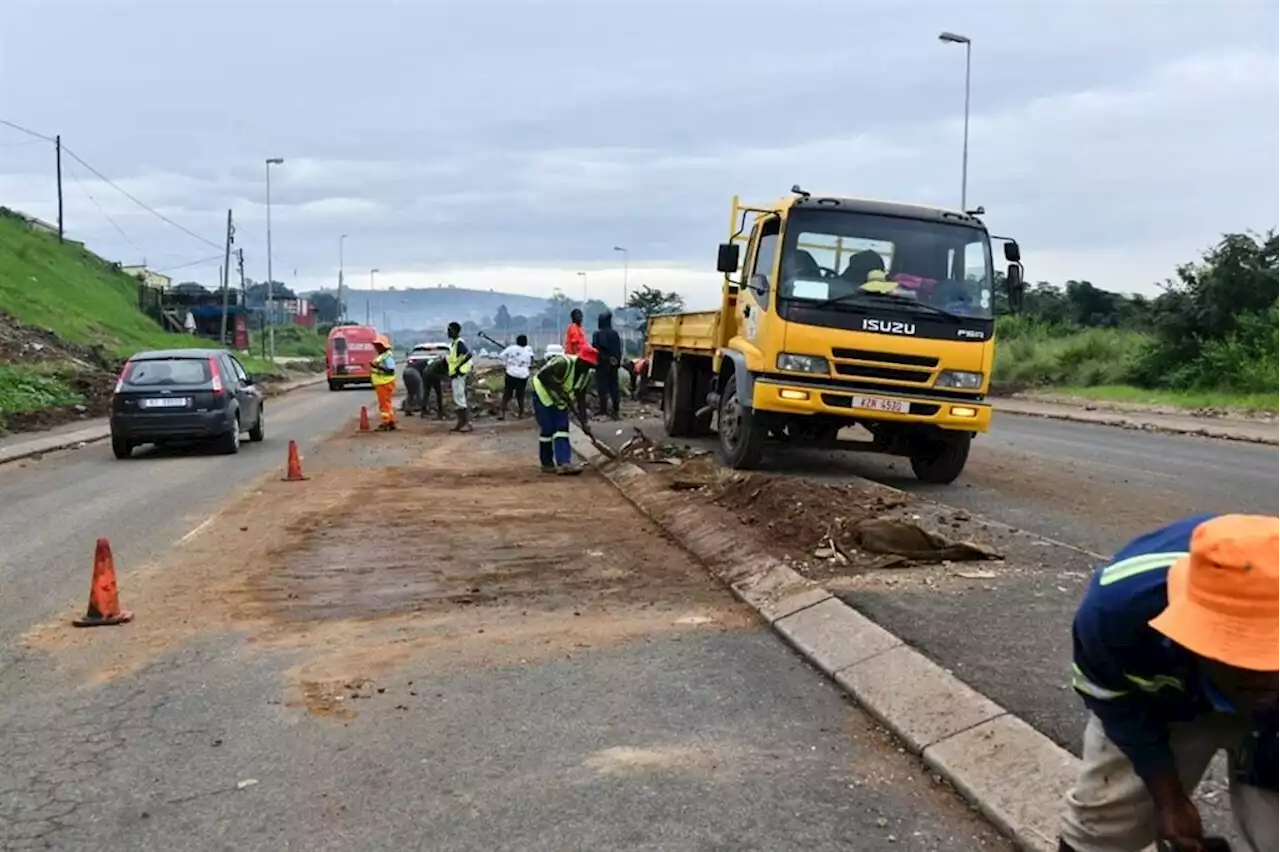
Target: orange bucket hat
[(1224, 597)]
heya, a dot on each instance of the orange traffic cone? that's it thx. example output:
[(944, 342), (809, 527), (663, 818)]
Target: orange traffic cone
[(104, 599), (364, 419), (293, 473)]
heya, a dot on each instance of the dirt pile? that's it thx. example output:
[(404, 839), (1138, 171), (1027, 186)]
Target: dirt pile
[(88, 372)]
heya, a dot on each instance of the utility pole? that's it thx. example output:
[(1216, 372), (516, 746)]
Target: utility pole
[(271, 329), (226, 278), (342, 304), (57, 144), (244, 295)]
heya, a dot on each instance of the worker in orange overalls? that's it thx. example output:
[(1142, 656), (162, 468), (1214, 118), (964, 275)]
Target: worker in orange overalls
[(383, 376)]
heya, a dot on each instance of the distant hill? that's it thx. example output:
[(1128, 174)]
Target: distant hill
[(434, 307)]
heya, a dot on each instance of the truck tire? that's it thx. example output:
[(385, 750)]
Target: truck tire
[(741, 433), (677, 401), (939, 461)]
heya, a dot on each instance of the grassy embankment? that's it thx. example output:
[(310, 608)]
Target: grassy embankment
[(90, 306), (1104, 364)]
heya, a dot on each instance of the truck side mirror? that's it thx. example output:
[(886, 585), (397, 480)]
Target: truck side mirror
[(1015, 286), (1012, 252), (727, 258)]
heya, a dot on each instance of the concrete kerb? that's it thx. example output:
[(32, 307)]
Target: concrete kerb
[(83, 437), (1134, 421), (1012, 773)]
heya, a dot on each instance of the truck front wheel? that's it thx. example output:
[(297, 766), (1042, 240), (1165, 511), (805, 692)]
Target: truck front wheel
[(938, 461), (741, 433)]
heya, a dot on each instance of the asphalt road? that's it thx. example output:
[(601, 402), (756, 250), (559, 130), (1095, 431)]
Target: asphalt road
[(56, 507), (1092, 487), (697, 734)]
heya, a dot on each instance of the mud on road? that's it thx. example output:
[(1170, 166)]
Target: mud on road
[(453, 555)]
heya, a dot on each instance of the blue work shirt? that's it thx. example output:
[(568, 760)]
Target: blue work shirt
[(1136, 680)]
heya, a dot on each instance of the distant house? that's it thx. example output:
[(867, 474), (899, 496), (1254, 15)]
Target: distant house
[(152, 279)]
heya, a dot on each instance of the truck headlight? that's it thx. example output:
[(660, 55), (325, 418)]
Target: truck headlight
[(802, 364), (959, 379)]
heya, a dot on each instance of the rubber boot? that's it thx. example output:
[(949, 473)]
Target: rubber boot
[(466, 421), (457, 427)]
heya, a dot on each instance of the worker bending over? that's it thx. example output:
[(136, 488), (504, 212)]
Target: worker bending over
[(1176, 657), (383, 377), (555, 387), (459, 361)]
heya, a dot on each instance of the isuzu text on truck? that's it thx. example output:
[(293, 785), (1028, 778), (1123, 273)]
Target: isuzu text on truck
[(844, 311)]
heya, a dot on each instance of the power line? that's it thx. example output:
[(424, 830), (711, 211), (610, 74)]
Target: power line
[(201, 262), (135, 200), (113, 222), (26, 130)]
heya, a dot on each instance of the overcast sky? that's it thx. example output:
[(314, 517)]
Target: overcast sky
[(511, 145)]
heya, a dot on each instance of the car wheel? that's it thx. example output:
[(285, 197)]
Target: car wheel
[(121, 448), (334, 386), (259, 430), (229, 444)]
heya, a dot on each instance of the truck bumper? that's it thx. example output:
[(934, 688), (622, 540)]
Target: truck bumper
[(888, 405)]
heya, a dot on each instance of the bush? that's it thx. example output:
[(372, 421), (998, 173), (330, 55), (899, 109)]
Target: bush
[(1029, 354)]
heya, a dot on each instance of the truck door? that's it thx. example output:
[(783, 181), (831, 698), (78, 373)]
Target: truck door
[(753, 297)]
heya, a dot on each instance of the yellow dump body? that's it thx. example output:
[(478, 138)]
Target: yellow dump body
[(692, 333)]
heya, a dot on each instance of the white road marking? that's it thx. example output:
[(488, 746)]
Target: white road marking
[(199, 529)]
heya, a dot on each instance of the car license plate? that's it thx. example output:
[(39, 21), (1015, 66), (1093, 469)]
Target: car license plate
[(876, 403), (165, 402)]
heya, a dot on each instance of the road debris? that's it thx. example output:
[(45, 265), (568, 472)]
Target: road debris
[(641, 448)]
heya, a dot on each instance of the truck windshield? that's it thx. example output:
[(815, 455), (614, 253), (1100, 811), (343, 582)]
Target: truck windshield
[(860, 259)]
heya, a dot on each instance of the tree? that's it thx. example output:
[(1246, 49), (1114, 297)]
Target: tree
[(257, 292), (648, 302), (502, 319), (328, 310)]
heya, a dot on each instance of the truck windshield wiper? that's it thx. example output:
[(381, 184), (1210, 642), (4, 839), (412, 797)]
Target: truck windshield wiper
[(905, 300)]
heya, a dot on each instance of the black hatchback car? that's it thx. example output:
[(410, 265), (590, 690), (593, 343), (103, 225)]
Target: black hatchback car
[(185, 395)]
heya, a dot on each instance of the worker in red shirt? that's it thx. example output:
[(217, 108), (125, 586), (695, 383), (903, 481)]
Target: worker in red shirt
[(575, 340), (574, 337)]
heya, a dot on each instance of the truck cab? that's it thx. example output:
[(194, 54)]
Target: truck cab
[(846, 311)]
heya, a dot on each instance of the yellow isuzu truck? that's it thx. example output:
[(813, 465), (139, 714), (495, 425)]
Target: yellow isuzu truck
[(842, 311)]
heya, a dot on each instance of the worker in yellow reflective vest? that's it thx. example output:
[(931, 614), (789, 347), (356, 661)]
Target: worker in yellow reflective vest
[(555, 387), (459, 366), (383, 376)]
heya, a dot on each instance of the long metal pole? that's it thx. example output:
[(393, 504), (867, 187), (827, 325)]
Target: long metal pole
[(964, 163), (225, 272), (342, 305), (271, 329)]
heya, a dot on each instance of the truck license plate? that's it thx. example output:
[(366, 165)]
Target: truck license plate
[(165, 402), (875, 403)]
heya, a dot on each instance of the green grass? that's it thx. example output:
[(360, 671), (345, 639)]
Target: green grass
[(1030, 356), (1174, 398), (68, 289), (30, 387), (295, 341)]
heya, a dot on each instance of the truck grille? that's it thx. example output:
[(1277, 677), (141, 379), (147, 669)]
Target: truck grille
[(887, 366)]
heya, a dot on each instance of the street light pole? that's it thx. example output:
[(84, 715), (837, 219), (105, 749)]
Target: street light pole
[(367, 301), (626, 262), (271, 329), (953, 38), (342, 305), (583, 276)]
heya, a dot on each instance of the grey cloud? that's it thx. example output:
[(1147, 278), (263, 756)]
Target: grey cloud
[(479, 133)]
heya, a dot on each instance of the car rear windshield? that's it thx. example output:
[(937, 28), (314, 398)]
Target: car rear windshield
[(168, 371), (340, 345)]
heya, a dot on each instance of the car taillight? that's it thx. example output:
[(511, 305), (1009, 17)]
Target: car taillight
[(124, 374), (216, 375)]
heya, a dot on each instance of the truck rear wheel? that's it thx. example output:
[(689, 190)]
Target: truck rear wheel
[(701, 389), (677, 401), (741, 434), (938, 461)]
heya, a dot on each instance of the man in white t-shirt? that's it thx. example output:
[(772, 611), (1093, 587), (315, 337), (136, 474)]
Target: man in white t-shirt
[(518, 359)]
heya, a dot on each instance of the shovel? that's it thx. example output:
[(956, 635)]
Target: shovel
[(603, 448)]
